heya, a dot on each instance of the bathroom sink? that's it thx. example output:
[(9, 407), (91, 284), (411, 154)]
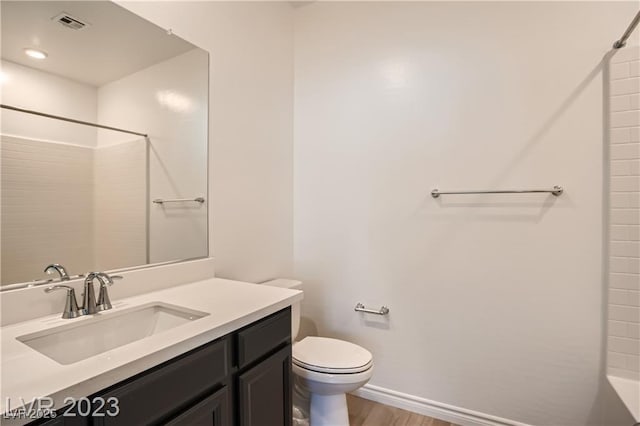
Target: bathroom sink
[(103, 332)]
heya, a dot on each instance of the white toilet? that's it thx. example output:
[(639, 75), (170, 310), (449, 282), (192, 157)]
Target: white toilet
[(326, 368)]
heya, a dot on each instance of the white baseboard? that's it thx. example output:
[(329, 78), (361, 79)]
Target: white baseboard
[(429, 408)]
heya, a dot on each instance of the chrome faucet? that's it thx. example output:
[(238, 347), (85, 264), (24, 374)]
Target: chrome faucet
[(59, 269), (71, 305), (89, 305), (89, 295)]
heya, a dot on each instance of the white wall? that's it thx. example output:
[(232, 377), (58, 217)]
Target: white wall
[(167, 101), (496, 301), (250, 128), (32, 89)]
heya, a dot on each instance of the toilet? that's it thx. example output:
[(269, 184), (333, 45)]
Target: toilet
[(326, 368)]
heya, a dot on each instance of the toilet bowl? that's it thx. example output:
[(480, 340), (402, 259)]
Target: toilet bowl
[(327, 369)]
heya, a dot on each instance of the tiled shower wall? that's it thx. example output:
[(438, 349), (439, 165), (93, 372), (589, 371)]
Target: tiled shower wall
[(45, 214), (80, 206), (623, 346)]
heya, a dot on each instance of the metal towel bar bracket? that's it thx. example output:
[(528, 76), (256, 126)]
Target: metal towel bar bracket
[(556, 190), (178, 200), (382, 311)]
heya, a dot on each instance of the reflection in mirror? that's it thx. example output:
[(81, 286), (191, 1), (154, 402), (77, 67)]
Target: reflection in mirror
[(80, 195)]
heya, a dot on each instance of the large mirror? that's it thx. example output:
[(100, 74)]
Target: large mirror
[(103, 141)]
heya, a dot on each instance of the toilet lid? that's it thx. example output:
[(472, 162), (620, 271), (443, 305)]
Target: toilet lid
[(326, 355)]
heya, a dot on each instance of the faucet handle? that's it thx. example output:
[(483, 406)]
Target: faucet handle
[(104, 303), (105, 278), (71, 304)]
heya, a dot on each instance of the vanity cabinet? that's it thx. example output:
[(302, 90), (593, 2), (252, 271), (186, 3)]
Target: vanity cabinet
[(264, 392), (212, 411), (241, 379)]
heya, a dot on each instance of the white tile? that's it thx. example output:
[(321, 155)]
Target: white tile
[(634, 268), (634, 167), (627, 151), (628, 54), (625, 119), (625, 248), (616, 359), (634, 101), (619, 297), (633, 362), (624, 313), (621, 167), (621, 200), (620, 233), (625, 281), (620, 70), (633, 330), (624, 217), (619, 264), (634, 69), (634, 134), (631, 183), (620, 103), (617, 328), (620, 135), (625, 87), (624, 345)]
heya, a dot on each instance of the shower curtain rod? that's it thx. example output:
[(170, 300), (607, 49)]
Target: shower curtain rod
[(632, 26), (70, 120)]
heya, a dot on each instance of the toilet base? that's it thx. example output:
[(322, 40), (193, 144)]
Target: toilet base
[(329, 410)]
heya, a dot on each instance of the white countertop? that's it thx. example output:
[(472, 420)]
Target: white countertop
[(27, 374)]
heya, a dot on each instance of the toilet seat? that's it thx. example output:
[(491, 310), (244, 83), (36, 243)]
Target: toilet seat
[(331, 356), (333, 379)]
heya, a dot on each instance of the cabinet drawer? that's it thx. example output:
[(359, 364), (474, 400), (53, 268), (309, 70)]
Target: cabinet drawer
[(173, 386), (259, 339)]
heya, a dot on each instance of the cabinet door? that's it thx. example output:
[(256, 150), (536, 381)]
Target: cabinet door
[(211, 411), (66, 421), (64, 417), (264, 392)]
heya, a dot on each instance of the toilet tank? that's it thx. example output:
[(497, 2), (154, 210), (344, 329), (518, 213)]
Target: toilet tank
[(295, 308)]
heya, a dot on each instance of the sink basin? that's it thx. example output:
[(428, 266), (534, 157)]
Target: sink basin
[(77, 341)]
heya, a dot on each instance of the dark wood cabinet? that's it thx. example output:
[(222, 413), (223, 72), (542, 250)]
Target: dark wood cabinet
[(160, 393), (264, 392), (241, 379), (214, 410), (66, 421)]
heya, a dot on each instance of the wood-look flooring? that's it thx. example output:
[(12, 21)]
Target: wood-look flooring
[(363, 412)]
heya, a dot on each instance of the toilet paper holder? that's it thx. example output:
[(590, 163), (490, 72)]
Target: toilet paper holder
[(382, 311)]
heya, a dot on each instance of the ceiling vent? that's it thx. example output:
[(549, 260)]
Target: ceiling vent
[(70, 21)]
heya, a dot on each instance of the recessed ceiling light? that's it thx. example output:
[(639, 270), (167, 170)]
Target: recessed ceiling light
[(35, 53)]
